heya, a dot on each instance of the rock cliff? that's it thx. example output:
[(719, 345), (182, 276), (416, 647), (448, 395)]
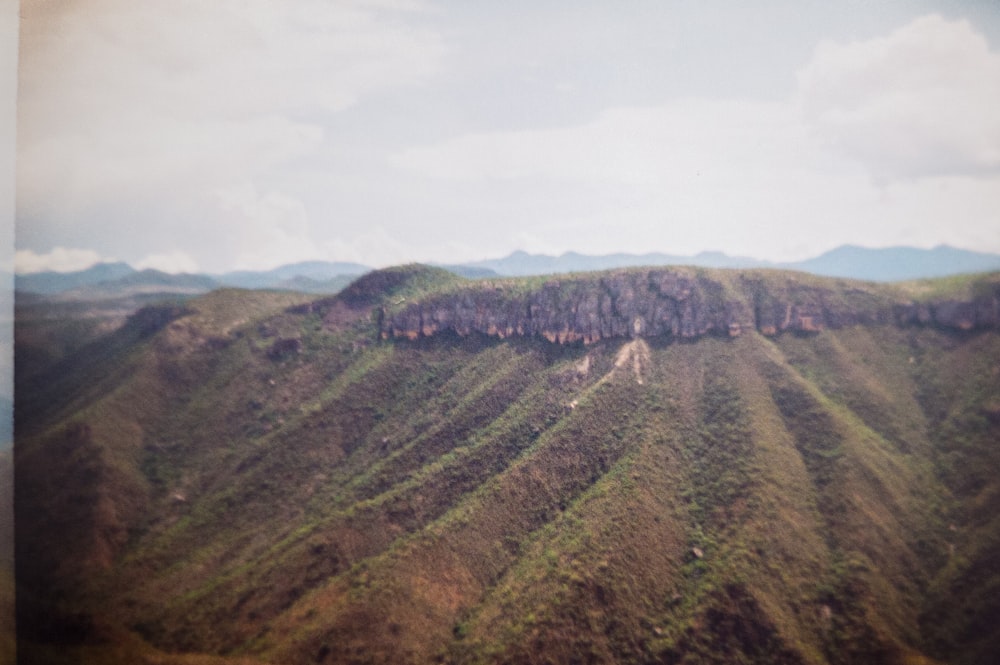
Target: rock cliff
[(678, 302)]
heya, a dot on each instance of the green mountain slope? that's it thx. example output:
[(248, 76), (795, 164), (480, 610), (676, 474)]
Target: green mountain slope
[(366, 478)]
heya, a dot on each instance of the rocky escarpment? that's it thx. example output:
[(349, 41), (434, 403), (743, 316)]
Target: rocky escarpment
[(678, 302), (620, 304), (982, 311)]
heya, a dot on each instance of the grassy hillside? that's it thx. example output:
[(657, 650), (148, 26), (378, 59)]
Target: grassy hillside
[(246, 479)]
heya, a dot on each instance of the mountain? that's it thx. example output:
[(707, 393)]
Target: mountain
[(895, 264), (653, 465), (523, 264), (107, 280), (313, 271), (881, 265), (143, 282), (116, 280), (48, 283), (48, 329)]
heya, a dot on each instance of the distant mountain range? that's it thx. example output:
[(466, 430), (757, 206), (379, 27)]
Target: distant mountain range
[(49, 283), (114, 280), (895, 264), (308, 276), (891, 264), (110, 280), (521, 264)]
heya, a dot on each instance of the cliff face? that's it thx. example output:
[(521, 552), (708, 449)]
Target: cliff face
[(982, 311), (682, 303)]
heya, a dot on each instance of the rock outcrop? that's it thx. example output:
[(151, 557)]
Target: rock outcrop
[(677, 302), (621, 304), (982, 311)]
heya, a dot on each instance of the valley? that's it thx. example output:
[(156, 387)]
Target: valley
[(643, 465)]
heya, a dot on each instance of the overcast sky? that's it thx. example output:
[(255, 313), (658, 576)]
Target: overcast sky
[(233, 134), (8, 113)]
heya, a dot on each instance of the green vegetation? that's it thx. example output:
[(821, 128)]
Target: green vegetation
[(253, 478)]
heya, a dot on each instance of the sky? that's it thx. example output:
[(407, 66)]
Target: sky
[(245, 134), (8, 115)]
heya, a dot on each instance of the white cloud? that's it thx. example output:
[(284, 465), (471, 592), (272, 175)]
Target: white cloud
[(60, 259), (890, 140), (226, 130), (226, 58), (265, 229), (375, 247), (744, 177), (175, 262), (661, 146), (921, 101), (671, 177), (160, 102), (126, 160)]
